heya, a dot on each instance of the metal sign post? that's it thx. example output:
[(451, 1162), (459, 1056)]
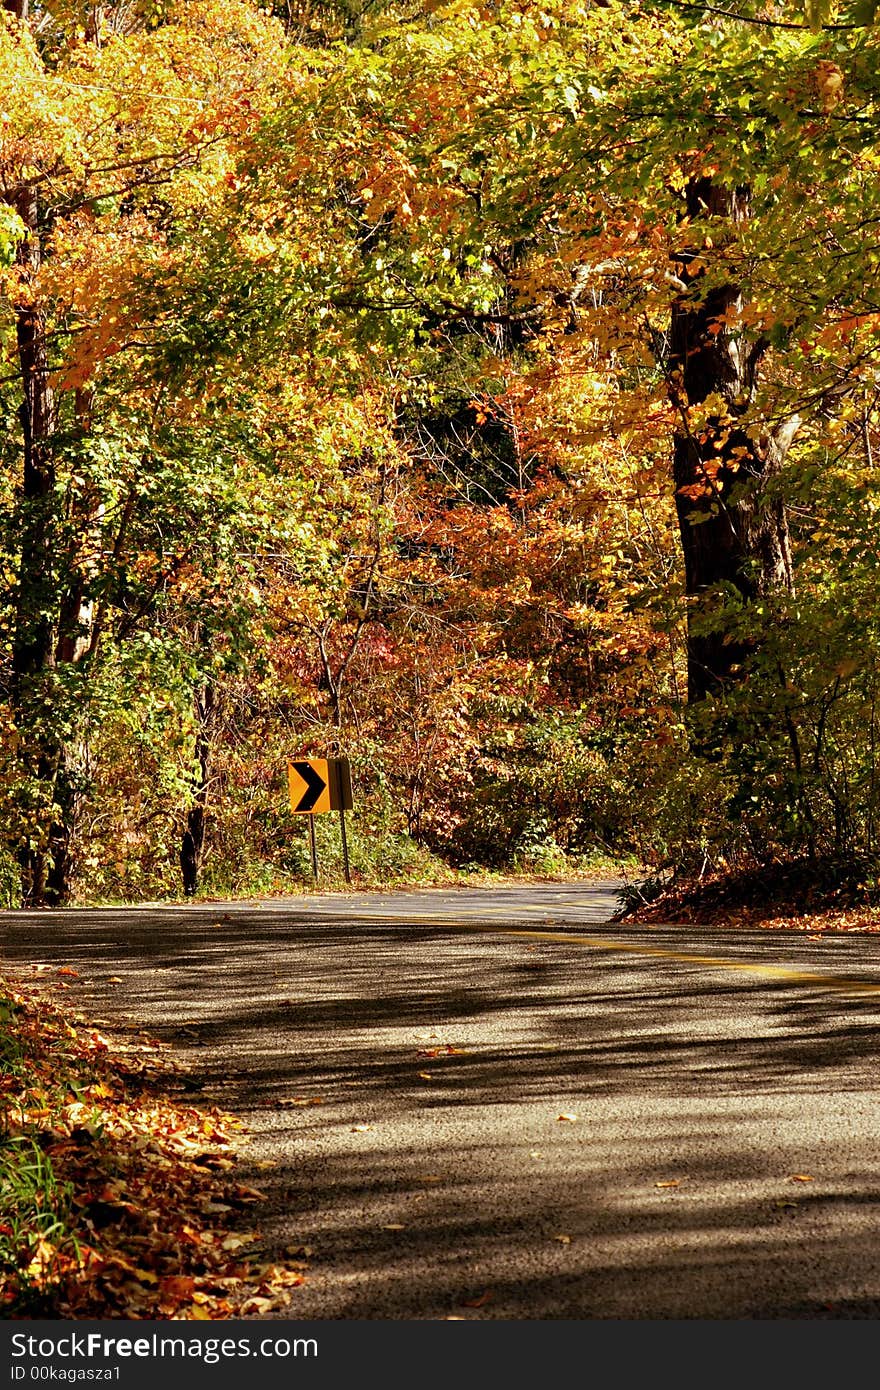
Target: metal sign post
[(321, 784), (345, 865), (313, 845)]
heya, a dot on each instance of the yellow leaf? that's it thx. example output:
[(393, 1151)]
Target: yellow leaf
[(236, 1242), (42, 1260), (256, 1305)]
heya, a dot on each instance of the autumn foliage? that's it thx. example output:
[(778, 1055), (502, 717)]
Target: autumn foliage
[(490, 397), (117, 1199)]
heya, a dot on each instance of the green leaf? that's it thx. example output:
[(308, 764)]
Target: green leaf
[(12, 233)]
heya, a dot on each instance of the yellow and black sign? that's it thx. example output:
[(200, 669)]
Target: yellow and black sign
[(319, 784)]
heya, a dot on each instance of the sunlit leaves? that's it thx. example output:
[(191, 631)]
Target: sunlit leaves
[(12, 230)]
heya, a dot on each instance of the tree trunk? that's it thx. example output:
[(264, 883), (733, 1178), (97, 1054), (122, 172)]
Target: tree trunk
[(193, 841), (734, 535), (54, 611), (33, 651)]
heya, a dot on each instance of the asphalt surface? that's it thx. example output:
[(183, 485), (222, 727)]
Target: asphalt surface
[(495, 1104)]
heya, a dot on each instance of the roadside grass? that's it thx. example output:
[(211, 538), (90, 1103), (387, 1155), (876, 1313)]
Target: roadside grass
[(117, 1199), (267, 881)]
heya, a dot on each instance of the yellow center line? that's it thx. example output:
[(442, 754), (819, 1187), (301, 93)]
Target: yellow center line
[(782, 972)]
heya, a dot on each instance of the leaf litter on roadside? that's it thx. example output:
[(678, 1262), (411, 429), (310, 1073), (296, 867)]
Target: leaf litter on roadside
[(117, 1199)]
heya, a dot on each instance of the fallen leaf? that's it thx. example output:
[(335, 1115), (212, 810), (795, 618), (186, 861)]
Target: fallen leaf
[(68, 970), (801, 1177), (667, 1182), (279, 1277), (360, 1129), (256, 1305), (567, 1116), (41, 1263), (480, 1301), (235, 1242), (563, 1240), (177, 1286), (425, 1075)]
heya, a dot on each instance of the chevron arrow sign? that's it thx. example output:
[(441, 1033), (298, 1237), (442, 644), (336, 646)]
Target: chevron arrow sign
[(319, 784)]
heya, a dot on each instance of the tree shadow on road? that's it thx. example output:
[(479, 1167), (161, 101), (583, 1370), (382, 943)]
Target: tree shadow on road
[(695, 1093)]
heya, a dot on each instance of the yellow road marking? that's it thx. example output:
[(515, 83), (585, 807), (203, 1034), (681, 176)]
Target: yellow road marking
[(783, 972)]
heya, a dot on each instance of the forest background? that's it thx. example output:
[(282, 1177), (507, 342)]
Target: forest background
[(485, 393)]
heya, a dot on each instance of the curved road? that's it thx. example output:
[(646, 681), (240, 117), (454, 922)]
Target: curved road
[(496, 1104)]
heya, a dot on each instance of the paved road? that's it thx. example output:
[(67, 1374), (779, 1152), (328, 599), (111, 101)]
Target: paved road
[(518, 1110)]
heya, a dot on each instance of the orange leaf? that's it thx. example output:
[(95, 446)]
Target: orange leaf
[(177, 1286)]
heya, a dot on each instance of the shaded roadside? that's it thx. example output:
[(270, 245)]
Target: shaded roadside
[(463, 1123), (118, 1197)]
